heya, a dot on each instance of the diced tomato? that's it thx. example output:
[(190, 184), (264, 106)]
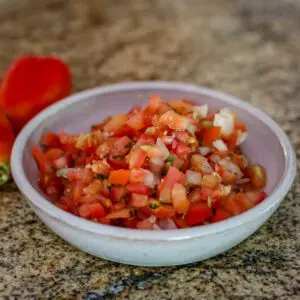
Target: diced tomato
[(137, 121), (125, 130), (163, 211), (179, 198), (138, 175), (258, 179), (115, 123), (154, 103), (139, 200), (182, 149), (180, 222), (50, 139), (240, 126), (119, 177), (118, 193), (121, 214), (97, 211), (256, 197), (144, 139), (210, 181), (79, 174), (243, 202), (210, 135), (195, 196), (198, 213), (170, 179), (182, 136), (231, 206), (117, 162), (220, 215), (53, 154), (84, 210), (94, 187), (138, 188), (137, 158), (43, 163), (122, 146), (130, 223)]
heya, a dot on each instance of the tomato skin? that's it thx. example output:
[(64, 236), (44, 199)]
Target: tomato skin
[(119, 177), (97, 211), (50, 139), (198, 213), (220, 215), (210, 135), (138, 188), (139, 200), (53, 154), (182, 149), (42, 161), (117, 163)]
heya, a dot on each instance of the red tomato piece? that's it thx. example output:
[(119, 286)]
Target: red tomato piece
[(210, 135), (50, 139), (198, 213), (42, 161), (220, 215), (138, 188)]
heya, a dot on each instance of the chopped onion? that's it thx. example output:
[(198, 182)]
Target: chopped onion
[(225, 120), (191, 128), (152, 219), (193, 177), (156, 164), (156, 227), (167, 224), (163, 148), (202, 110), (204, 150), (169, 139), (243, 180), (150, 180), (230, 166), (241, 137), (215, 158), (220, 145)]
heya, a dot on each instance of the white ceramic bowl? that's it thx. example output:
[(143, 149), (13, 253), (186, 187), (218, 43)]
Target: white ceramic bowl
[(267, 144)]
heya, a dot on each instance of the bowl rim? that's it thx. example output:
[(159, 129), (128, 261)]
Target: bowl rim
[(146, 235)]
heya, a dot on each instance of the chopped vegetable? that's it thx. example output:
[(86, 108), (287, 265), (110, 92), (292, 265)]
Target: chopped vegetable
[(169, 165)]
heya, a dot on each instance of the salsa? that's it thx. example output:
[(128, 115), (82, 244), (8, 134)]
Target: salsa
[(172, 164)]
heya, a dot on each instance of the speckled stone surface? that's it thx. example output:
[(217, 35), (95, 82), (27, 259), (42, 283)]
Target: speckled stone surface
[(247, 48)]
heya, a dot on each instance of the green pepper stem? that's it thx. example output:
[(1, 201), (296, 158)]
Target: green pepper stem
[(4, 172)]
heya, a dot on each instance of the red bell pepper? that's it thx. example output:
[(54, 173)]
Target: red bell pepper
[(7, 138), (30, 84)]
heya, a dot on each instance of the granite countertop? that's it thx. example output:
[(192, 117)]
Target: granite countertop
[(247, 48)]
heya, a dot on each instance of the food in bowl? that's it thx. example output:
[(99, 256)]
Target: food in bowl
[(169, 165)]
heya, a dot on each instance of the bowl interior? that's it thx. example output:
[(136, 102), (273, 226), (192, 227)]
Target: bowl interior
[(261, 146)]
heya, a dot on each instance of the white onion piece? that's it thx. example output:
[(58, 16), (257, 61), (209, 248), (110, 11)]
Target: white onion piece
[(156, 227), (225, 120), (243, 180), (152, 219), (167, 224), (215, 158), (202, 110), (230, 166), (163, 148), (191, 128), (241, 137), (156, 164), (220, 145), (150, 180), (204, 150), (193, 177)]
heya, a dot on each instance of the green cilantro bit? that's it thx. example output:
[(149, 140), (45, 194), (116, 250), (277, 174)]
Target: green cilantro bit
[(117, 156), (170, 159), (154, 204), (129, 145)]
